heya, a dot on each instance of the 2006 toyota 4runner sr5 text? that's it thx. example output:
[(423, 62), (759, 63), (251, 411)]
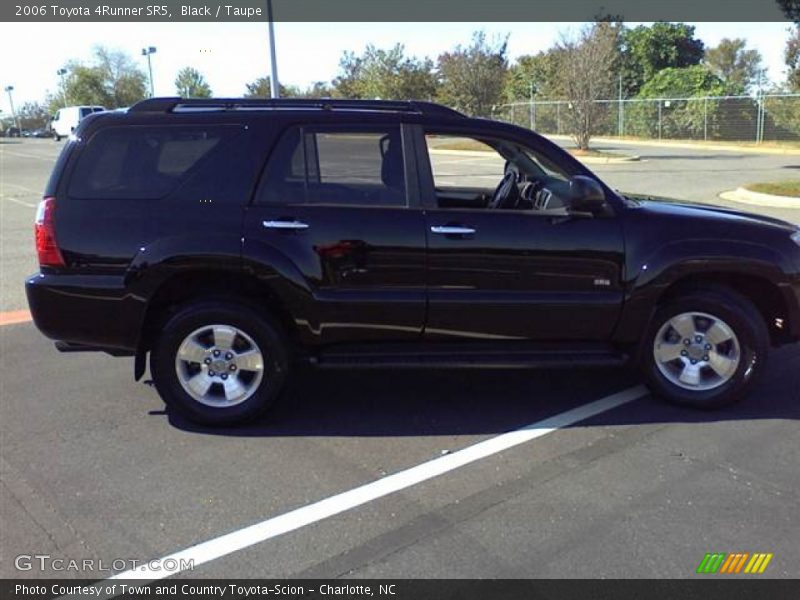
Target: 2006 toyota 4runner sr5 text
[(228, 239)]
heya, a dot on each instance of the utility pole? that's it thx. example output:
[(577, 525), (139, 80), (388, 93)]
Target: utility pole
[(620, 126), (147, 52), (61, 72), (274, 86), (9, 89), (531, 109)]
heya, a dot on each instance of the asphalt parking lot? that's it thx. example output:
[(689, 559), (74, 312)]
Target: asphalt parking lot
[(93, 467)]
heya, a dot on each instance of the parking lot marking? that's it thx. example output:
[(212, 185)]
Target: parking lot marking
[(17, 201), (328, 507), (12, 317)]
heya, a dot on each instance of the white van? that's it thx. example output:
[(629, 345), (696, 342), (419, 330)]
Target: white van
[(66, 119)]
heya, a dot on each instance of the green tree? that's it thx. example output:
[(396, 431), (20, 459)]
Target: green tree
[(111, 80), (587, 73), (539, 71), (318, 89), (190, 83), (783, 112), (648, 50), (84, 85), (678, 118), (261, 88), (739, 68), (386, 74), (472, 78), (792, 58)]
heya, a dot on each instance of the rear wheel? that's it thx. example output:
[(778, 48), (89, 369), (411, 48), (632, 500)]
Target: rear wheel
[(220, 363), (705, 348)]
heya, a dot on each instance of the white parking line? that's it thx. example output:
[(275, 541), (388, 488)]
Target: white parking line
[(20, 202), (26, 155), (328, 507)]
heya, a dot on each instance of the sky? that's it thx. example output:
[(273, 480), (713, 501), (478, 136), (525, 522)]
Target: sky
[(232, 54)]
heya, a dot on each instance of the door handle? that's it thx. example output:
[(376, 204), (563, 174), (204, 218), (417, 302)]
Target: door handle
[(293, 225), (452, 230)]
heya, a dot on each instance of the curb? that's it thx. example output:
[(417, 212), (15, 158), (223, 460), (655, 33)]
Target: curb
[(756, 198), (600, 160), (688, 145)]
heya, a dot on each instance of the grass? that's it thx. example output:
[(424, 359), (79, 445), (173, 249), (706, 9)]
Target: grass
[(777, 188), (470, 145)]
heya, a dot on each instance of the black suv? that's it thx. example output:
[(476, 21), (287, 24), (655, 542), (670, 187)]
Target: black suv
[(231, 238)]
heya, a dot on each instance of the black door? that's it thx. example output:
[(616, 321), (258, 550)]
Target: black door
[(337, 218), (515, 271)]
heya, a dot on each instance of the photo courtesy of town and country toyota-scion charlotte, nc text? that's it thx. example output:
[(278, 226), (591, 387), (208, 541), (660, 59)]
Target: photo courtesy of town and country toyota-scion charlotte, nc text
[(66, 12), (194, 590)]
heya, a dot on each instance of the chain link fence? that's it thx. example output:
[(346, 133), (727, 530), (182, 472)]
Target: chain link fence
[(763, 118)]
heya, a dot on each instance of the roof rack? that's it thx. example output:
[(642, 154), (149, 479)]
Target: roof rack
[(183, 105)]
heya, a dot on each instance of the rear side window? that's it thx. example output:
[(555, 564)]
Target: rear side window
[(144, 162), (342, 167)]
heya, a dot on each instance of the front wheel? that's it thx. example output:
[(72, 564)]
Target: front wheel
[(705, 348), (220, 363)]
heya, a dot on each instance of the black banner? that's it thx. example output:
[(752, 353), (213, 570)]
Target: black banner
[(398, 10), (708, 588)]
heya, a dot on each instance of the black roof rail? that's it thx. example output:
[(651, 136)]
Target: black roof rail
[(177, 104)]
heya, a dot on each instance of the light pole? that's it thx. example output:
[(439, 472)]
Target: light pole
[(274, 87), (61, 72), (147, 52), (9, 89), (532, 111)]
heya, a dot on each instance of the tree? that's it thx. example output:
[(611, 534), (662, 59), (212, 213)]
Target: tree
[(539, 71), (587, 73), (111, 80), (472, 78), (792, 58), (648, 50), (33, 115), (386, 74), (739, 68), (677, 118), (190, 83), (791, 8), (261, 88), (124, 81)]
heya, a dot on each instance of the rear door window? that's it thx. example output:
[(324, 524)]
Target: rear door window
[(337, 166), (144, 162)]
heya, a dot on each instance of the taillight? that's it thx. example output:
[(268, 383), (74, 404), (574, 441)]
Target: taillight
[(45, 231)]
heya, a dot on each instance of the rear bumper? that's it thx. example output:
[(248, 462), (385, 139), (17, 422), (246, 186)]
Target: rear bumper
[(89, 310)]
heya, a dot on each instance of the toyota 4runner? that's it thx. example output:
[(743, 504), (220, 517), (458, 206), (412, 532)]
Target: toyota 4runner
[(228, 239)]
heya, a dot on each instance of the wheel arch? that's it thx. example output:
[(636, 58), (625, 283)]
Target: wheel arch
[(761, 291), (203, 284)]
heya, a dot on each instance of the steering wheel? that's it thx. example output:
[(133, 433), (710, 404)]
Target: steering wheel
[(506, 194)]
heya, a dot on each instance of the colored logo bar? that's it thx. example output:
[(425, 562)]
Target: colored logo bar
[(736, 562)]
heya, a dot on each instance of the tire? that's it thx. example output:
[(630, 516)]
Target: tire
[(56, 137), (728, 342), (229, 337)]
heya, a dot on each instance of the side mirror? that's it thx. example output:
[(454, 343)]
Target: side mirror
[(586, 195)]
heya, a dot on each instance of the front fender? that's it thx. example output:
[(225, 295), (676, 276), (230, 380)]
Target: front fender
[(652, 274)]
